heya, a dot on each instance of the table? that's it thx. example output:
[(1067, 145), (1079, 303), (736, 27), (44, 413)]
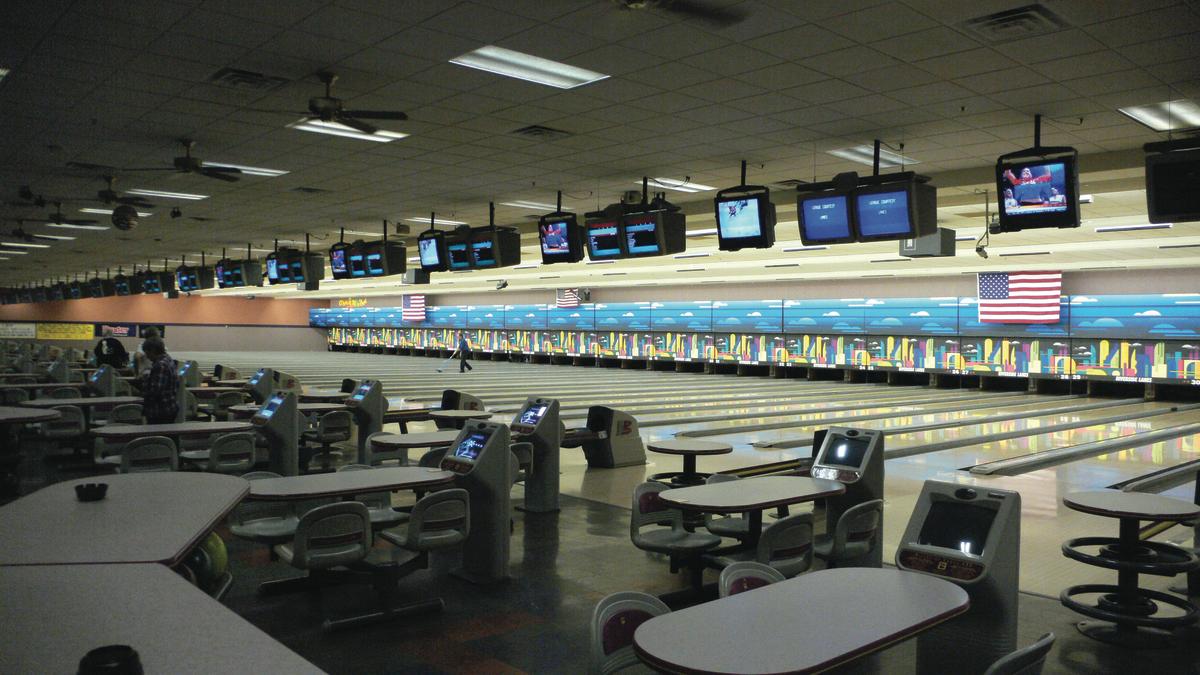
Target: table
[(1128, 614), (752, 496), (459, 417), (10, 415), (213, 392), (86, 404), (231, 383), (52, 616), (11, 419), (689, 448), (248, 409), (803, 625), (145, 518), (346, 483), (172, 430), (34, 386), (324, 396), (434, 439)]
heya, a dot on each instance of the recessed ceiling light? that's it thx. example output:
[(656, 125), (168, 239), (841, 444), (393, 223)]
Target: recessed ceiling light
[(72, 226), (336, 129), (437, 221), (532, 206), (1127, 228), (1166, 116), (165, 195), (865, 154), (21, 244), (58, 237), (248, 170), (7, 252), (677, 185), (527, 67), (108, 212)]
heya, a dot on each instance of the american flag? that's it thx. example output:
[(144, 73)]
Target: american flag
[(413, 308), (566, 298), (1019, 297)]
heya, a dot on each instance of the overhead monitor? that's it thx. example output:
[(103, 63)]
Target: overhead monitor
[(383, 258), (77, 290), (824, 218), (122, 285), (101, 288), (339, 264), (357, 262), (59, 292), (745, 218), (891, 211), (561, 238), (431, 249), (458, 251), (641, 235), (605, 239), (273, 268), (1037, 192), (1173, 186)]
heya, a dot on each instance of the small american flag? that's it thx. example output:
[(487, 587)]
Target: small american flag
[(566, 298), (1019, 297), (413, 308)]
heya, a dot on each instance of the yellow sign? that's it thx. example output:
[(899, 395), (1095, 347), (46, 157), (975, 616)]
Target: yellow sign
[(351, 303), (65, 331)]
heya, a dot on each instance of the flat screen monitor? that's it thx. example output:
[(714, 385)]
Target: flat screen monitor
[(221, 273), (272, 405), (1037, 193), (824, 218), (745, 221), (844, 451), (883, 214), (272, 269), (642, 236), (375, 266), (284, 268), (561, 239), (338, 263), (533, 414), (95, 377), (604, 240), (120, 285), (431, 249), (1173, 186), (75, 291), (298, 270), (483, 248), (151, 284), (358, 264), (459, 253), (470, 446), (957, 526)]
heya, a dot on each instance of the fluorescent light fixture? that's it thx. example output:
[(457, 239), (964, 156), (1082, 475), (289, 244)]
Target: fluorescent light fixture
[(526, 267), (681, 256), (690, 269), (701, 233), (865, 154), (1015, 255), (72, 226), (248, 170), (165, 195), (57, 237), (21, 244), (677, 185), (8, 252), (364, 234), (1174, 115), (336, 129), (892, 260), (533, 206), (108, 212), (415, 258), (796, 249), (1086, 199), (1127, 228), (528, 67), (965, 237), (436, 221)]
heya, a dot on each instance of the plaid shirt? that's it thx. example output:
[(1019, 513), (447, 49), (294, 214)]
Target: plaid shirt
[(160, 389)]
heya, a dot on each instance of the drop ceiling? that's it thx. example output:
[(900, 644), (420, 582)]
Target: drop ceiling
[(118, 83)]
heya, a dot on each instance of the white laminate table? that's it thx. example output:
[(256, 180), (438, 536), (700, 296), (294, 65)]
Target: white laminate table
[(803, 625), (53, 615), (347, 483), (751, 495), (145, 518)]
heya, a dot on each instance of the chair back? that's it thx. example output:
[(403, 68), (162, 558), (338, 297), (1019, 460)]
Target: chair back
[(746, 575), (70, 425), (859, 523), (439, 519), (349, 384), (648, 509), (331, 535), (335, 426), (65, 392), (432, 458), (149, 454), (614, 621), (1026, 660), (126, 413), (232, 453), (15, 396), (787, 545), (191, 406), (373, 500), (248, 510), (224, 401)]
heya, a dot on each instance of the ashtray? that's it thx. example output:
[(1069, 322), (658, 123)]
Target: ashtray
[(91, 492), (112, 659)]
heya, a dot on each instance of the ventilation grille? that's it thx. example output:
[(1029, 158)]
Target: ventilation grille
[(1014, 24), (245, 80), (542, 133), (790, 182)]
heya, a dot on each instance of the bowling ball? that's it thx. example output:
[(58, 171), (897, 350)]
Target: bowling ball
[(214, 546)]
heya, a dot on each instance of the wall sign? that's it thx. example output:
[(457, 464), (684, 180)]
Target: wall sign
[(65, 331), (18, 331)]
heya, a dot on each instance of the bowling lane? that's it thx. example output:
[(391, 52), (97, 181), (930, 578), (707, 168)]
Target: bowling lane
[(1101, 471)]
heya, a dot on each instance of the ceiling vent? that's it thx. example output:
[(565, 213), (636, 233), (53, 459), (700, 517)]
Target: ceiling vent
[(541, 133), (245, 80), (790, 183), (1014, 24), (308, 190)]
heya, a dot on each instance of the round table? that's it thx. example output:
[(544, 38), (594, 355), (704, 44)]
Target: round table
[(459, 417), (173, 429), (213, 392), (248, 409), (86, 404), (396, 446), (689, 448), (324, 396), (10, 415), (231, 383), (1126, 613)]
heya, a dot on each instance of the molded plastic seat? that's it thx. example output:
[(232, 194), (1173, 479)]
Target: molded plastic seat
[(379, 504), (786, 545), (432, 458), (1026, 660), (149, 454), (614, 621), (65, 392), (15, 396), (380, 455), (263, 522), (329, 536), (218, 408), (673, 540), (71, 426), (191, 406), (230, 454), (734, 527), (332, 427), (126, 413), (438, 520), (746, 575), (854, 535)]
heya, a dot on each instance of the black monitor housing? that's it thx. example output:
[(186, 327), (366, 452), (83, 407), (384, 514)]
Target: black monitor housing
[(745, 218), (1037, 188), (561, 238), (1173, 181)]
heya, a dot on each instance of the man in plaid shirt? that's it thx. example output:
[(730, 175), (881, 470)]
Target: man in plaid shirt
[(160, 386)]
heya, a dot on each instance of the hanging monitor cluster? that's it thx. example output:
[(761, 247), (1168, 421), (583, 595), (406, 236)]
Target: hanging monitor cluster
[(361, 259), (469, 248), (870, 208)]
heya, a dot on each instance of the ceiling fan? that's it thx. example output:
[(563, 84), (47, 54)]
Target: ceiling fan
[(688, 9), (327, 108), (21, 235), (185, 164), (109, 196), (57, 218)]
